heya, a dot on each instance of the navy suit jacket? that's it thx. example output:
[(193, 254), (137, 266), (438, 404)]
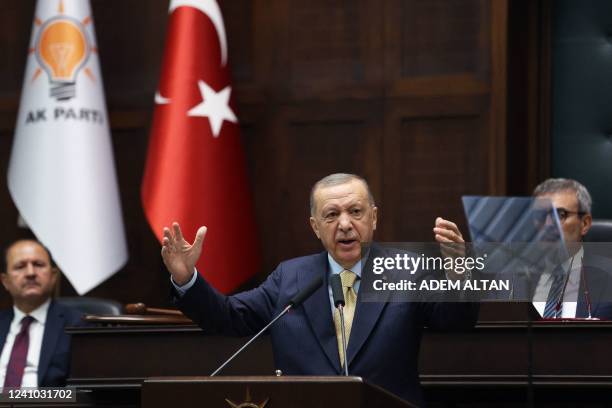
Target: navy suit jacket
[(385, 337), (597, 281), (54, 363)]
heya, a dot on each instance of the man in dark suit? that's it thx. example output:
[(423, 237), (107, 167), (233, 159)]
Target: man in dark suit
[(35, 348), (587, 278), (581, 285), (384, 337)]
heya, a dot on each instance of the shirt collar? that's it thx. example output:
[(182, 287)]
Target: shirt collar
[(336, 268), (39, 314)]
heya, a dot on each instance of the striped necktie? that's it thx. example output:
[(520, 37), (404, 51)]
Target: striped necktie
[(19, 354), (555, 294), (350, 302)]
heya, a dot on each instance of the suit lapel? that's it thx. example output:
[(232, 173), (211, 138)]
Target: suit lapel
[(318, 308), (595, 280), (5, 324), (366, 313), (581, 305), (53, 329)]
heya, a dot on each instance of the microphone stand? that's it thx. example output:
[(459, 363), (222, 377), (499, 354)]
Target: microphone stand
[(343, 329), (530, 391), (587, 296), (281, 314), (294, 302)]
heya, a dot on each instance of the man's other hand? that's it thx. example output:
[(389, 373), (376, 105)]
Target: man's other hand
[(448, 235), (179, 256), (447, 231)]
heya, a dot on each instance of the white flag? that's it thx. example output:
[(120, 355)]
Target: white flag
[(61, 173)]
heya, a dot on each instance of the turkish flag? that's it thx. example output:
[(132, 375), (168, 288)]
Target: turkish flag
[(195, 172)]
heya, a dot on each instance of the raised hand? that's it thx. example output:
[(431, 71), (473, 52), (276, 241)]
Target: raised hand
[(447, 231), (451, 241), (179, 255)]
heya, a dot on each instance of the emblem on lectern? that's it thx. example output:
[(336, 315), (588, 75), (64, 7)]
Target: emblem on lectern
[(248, 403)]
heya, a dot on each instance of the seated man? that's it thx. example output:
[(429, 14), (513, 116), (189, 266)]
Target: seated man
[(581, 285), (35, 348), (383, 338), (586, 277)]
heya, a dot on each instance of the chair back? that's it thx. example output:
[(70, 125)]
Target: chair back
[(92, 305), (601, 231)]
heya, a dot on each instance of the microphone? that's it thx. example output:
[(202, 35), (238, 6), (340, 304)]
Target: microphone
[(338, 295), (294, 302)]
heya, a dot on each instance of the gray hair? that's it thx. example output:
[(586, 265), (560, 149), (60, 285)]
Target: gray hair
[(556, 185), (337, 179)]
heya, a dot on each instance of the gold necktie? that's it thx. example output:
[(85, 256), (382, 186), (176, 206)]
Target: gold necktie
[(350, 302)]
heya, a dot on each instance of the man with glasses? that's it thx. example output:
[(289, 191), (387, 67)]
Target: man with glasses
[(572, 202), (581, 285), (584, 278)]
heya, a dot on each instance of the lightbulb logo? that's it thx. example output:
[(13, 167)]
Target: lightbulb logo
[(62, 48)]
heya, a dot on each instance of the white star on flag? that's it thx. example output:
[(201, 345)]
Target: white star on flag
[(214, 106)]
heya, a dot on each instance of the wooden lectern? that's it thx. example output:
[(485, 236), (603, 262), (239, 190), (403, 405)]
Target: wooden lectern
[(268, 392)]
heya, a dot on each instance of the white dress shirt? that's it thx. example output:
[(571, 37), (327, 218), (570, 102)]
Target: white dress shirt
[(37, 330), (570, 295)]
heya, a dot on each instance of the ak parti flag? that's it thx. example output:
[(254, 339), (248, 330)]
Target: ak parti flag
[(61, 174), (196, 171)]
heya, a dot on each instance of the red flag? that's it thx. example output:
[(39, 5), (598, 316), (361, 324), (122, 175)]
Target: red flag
[(195, 172)]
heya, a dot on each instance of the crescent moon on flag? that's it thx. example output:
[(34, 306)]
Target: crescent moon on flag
[(160, 100), (211, 9)]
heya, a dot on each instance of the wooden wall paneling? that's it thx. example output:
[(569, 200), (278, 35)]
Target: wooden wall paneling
[(437, 47), (438, 143), (520, 98), (528, 95), (251, 27), (15, 29), (544, 84), (8, 212), (433, 161), (334, 49), (261, 153), (443, 37), (497, 118), (131, 38), (240, 30)]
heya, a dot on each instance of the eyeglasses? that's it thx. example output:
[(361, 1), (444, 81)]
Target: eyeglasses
[(565, 214)]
